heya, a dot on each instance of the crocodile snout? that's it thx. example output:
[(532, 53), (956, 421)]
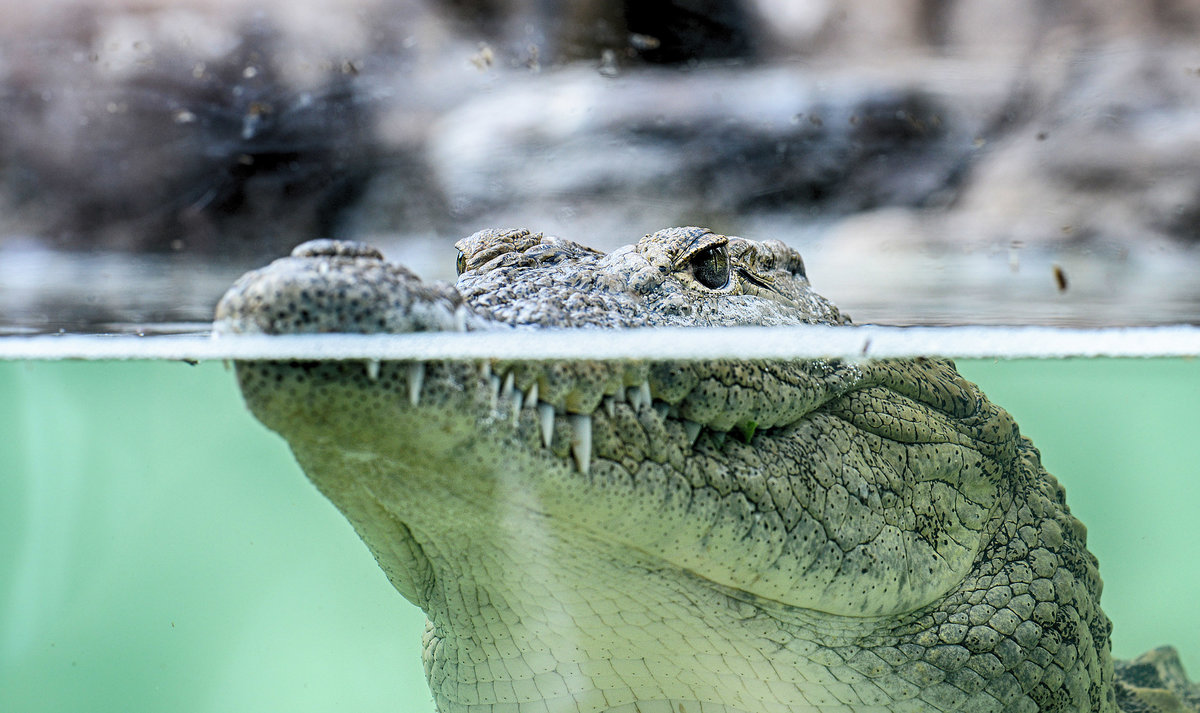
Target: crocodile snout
[(339, 286)]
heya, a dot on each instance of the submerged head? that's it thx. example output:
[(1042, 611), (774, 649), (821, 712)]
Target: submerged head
[(587, 535)]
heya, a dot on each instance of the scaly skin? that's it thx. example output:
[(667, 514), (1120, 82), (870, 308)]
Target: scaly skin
[(681, 537)]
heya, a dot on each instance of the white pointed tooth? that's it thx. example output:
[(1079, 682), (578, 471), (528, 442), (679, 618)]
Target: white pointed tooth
[(460, 318), (619, 396), (692, 429), (639, 396), (610, 407), (581, 440), (531, 396), (663, 408), (516, 397), (485, 369), (416, 378), (507, 389), (546, 411), (495, 384), (373, 369), (719, 438)]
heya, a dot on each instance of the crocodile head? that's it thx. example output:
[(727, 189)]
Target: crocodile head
[(680, 535)]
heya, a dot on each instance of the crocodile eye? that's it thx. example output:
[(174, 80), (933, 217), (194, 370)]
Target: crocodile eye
[(710, 267), (460, 263)]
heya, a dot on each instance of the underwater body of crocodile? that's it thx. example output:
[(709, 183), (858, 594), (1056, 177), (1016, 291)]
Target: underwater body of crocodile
[(684, 536)]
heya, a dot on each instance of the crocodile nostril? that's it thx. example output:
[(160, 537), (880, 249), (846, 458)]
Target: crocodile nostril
[(336, 248)]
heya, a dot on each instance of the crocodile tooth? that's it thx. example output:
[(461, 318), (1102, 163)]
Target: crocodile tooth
[(531, 396), (416, 377), (581, 440), (719, 438), (515, 396), (547, 413), (460, 318), (619, 396), (507, 389), (644, 393), (663, 408), (485, 369), (610, 407), (495, 384), (692, 429), (373, 369), (635, 398)]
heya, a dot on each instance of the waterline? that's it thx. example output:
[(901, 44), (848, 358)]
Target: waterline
[(803, 342)]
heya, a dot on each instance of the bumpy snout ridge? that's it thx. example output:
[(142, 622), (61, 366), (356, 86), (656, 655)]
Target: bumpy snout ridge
[(328, 286)]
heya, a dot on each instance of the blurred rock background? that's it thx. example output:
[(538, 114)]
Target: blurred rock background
[(938, 161)]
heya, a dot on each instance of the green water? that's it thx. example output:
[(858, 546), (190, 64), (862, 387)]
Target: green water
[(160, 551)]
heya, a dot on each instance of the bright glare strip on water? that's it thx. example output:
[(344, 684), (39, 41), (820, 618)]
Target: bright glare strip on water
[(664, 343)]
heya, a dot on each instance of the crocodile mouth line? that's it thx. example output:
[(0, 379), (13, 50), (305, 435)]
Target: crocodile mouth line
[(510, 389), (508, 397)]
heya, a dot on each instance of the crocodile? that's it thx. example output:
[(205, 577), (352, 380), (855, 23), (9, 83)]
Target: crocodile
[(687, 536)]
